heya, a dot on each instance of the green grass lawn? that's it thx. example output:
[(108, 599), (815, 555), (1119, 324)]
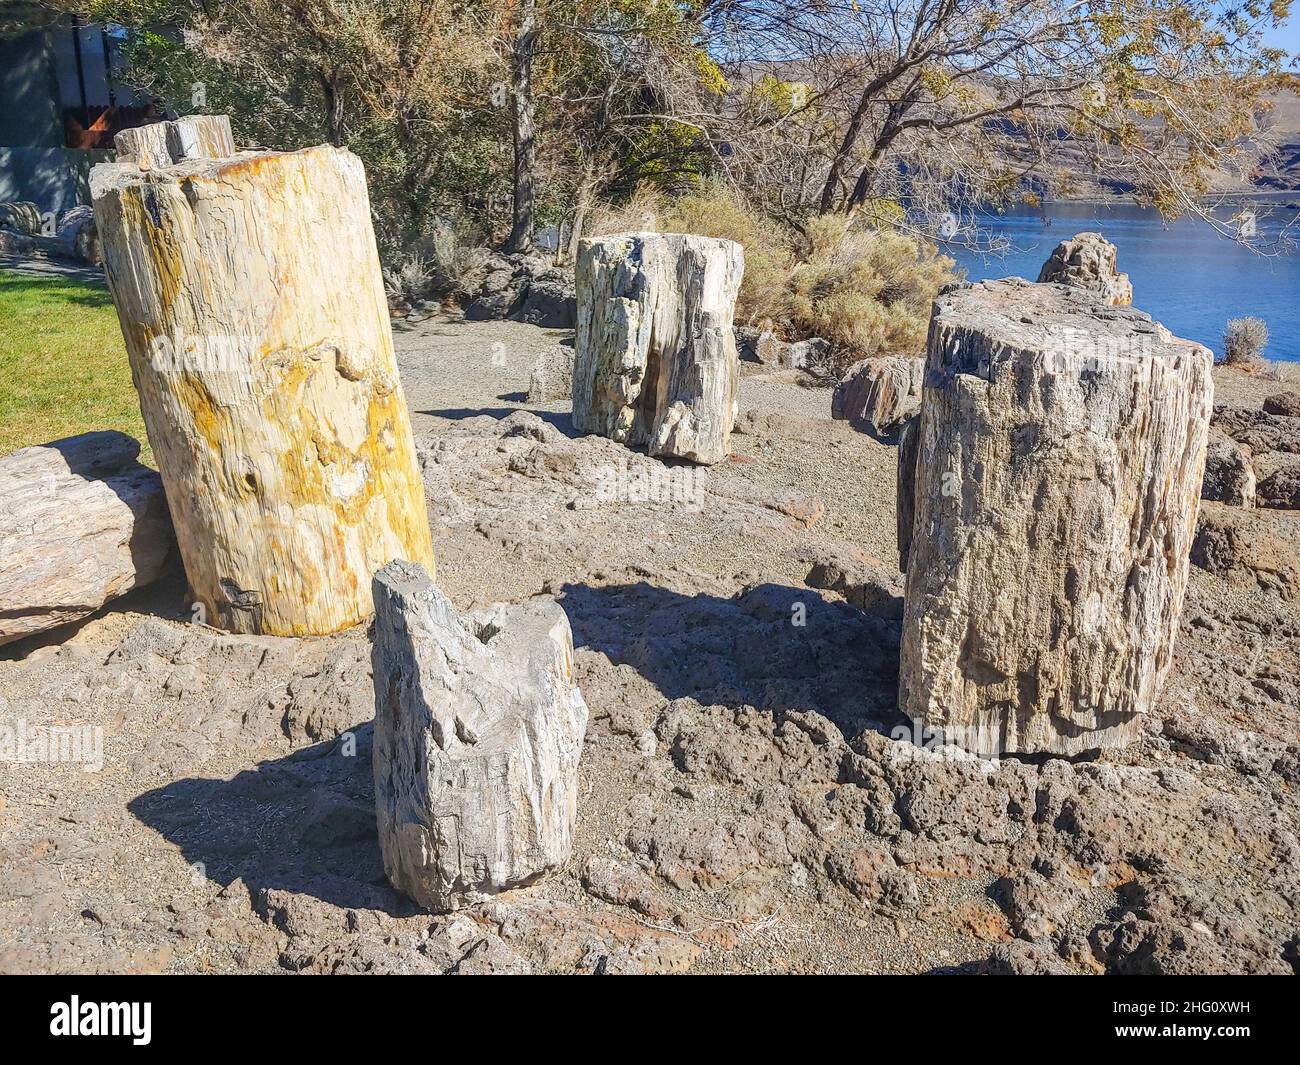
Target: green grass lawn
[(63, 367)]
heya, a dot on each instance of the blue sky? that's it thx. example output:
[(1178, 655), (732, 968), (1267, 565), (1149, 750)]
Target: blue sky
[(1287, 36)]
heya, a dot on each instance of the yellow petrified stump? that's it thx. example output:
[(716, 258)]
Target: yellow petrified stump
[(249, 293)]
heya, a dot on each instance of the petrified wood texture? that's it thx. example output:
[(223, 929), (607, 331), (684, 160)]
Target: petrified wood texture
[(478, 731), (160, 144), (1088, 260), (1060, 453), (656, 361), (83, 522), (250, 296)]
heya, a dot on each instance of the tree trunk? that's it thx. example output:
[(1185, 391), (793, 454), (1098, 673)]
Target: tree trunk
[(83, 522), (525, 177), (656, 361), (586, 192), (1059, 461), (250, 297), (478, 731), (333, 91)]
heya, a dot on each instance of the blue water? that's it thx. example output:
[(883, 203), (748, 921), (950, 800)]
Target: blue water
[(1184, 274)]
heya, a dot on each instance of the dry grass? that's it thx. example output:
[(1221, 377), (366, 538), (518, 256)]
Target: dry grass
[(867, 291)]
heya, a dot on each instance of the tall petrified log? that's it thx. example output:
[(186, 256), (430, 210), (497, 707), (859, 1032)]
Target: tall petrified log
[(478, 731), (1060, 451), (656, 361), (82, 523), (250, 296)]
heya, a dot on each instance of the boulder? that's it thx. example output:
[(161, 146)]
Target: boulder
[(21, 217), (478, 731), (493, 306), (765, 347), (863, 581), (656, 353), (1260, 430), (552, 376), (526, 288), (1284, 403), (14, 243), (1243, 548), (83, 523), (550, 301), (1229, 475), (1087, 260), (1281, 488), (878, 395), (78, 236), (1060, 455)]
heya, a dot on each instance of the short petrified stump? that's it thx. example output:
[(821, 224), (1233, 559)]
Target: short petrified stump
[(656, 362), (1060, 451), (478, 731)]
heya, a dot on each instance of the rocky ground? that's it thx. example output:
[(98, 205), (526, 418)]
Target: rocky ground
[(750, 799)]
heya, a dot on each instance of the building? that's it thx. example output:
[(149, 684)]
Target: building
[(60, 105)]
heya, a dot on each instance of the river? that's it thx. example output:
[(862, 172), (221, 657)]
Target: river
[(1184, 274)]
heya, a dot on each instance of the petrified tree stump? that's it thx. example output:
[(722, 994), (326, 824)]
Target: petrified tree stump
[(249, 293), (478, 732), (1060, 452), (656, 360), (1088, 260), (83, 522)]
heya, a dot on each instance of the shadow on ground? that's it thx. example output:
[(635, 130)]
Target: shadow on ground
[(304, 823), (773, 647)]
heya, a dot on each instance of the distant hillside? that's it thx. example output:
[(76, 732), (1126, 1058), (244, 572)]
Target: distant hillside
[(1284, 120)]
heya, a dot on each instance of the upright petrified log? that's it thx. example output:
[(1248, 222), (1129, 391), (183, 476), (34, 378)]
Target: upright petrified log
[(82, 523), (1059, 461), (656, 361), (250, 296), (478, 732)]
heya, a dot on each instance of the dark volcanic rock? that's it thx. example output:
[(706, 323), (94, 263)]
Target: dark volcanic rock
[(1281, 488)]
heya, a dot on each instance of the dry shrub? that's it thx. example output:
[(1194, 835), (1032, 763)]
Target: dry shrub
[(639, 215), (408, 280), (712, 212), (456, 257), (717, 213), (868, 292), (1244, 342)]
